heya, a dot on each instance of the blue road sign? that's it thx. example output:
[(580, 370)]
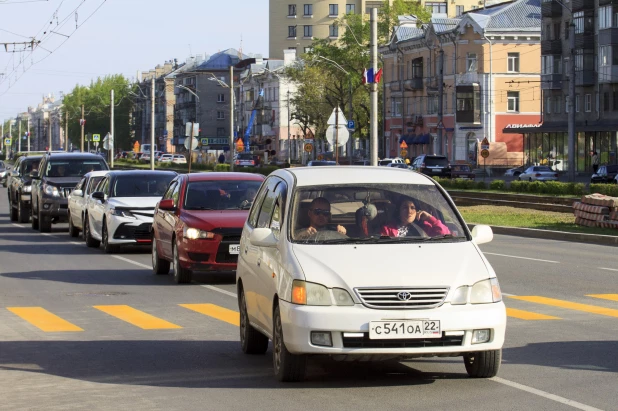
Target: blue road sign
[(351, 125)]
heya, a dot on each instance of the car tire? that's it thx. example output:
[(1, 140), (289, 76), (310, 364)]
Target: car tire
[(159, 266), (34, 221), (288, 367), (90, 241), (13, 212), (181, 275), (251, 340), (44, 223), (22, 213), (107, 247), (483, 364), (73, 231)]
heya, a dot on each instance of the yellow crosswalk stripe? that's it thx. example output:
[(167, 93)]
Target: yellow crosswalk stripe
[(43, 319), (611, 297), (136, 317), (593, 309), (214, 311), (528, 315)]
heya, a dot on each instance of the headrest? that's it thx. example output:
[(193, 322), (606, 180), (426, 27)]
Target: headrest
[(369, 211)]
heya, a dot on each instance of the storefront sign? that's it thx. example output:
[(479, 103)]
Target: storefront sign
[(522, 125)]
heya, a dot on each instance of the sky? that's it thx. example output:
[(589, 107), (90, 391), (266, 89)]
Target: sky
[(114, 37)]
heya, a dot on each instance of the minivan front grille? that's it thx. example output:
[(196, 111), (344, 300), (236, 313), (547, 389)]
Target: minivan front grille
[(393, 298), (366, 342)]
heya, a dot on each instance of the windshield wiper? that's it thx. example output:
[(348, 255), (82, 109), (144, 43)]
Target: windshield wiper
[(442, 237)]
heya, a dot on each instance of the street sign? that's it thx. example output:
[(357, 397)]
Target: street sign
[(210, 141), (7, 141), (308, 147), (309, 140), (484, 153), (403, 152), (320, 157), (96, 137), (403, 145), (351, 125), (485, 144)]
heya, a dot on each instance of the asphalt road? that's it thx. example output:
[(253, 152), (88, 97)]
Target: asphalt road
[(83, 330)]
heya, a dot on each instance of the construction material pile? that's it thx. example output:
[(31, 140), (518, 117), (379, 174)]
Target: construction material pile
[(596, 210)]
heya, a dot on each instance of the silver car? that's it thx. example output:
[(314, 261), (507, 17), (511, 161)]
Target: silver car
[(538, 173)]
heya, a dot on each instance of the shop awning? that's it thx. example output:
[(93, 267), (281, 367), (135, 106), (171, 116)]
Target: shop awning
[(558, 127), (422, 139)]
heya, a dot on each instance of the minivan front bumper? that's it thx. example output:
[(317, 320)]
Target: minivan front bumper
[(457, 325)]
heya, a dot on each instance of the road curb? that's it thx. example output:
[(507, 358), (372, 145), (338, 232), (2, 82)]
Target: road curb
[(555, 235)]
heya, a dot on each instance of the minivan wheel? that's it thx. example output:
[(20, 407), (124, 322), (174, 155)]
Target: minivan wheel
[(44, 223), (251, 340), (22, 212), (73, 231), (181, 275), (159, 266), (483, 364), (90, 241), (288, 367)]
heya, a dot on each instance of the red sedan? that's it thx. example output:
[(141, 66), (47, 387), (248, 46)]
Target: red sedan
[(198, 222)]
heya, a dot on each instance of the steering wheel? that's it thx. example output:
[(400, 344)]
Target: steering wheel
[(419, 231)]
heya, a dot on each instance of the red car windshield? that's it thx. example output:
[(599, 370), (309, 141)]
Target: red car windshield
[(221, 195)]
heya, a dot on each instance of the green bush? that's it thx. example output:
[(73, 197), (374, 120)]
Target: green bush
[(222, 167), (607, 189), (497, 185), (518, 186), (536, 187), (555, 188), (480, 185)]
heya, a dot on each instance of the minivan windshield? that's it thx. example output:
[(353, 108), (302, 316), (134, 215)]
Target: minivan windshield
[(380, 213)]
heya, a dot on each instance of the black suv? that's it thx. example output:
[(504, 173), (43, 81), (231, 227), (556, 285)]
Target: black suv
[(19, 188), (58, 174), (605, 174), (432, 165)]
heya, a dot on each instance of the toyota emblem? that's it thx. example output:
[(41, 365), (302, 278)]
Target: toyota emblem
[(404, 296)]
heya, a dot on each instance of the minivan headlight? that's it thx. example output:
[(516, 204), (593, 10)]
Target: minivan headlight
[(342, 297), (486, 291), (305, 293), (27, 189), (460, 296)]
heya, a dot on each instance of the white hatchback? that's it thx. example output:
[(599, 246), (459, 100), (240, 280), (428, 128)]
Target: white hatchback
[(365, 263)]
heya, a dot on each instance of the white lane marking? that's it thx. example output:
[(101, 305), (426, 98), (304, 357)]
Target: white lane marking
[(17, 225), (544, 394), (609, 269), (74, 242), (132, 262), (210, 287), (524, 258)]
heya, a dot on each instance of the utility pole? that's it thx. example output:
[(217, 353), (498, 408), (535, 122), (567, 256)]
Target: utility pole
[(336, 148), (28, 126), (152, 127), (440, 100), (351, 113), (19, 134), (66, 132), (191, 146), (231, 118), (49, 133), (571, 119), (82, 124), (374, 88), (110, 140), (289, 131)]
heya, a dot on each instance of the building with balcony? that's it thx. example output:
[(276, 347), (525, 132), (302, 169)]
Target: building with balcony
[(46, 125), (486, 66)]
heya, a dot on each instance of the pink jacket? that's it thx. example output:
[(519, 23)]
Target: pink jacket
[(433, 227)]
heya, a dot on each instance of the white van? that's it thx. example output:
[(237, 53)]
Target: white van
[(349, 262)]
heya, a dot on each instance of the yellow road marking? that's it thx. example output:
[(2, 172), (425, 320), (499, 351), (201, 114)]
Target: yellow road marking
[(136, 317), (528, 315), (569, 305), (43, 319), (611, 297), (214, 311)]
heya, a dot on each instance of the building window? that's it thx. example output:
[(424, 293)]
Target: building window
[(606, 101), (291, 31), (578, 19), (350, 8), (577, 103), (615, 101), (566, 104), (606, 18), (333, 30), (512, 98), (291, 10), (551, 65), (513, 62), (221, 98), (333, 10), (548, 102), (459, 10), (308, 10), (604, 56), (588, 103), (471, 66), (417, 68), (432, 104), (220, 132), (308, 31), (567, 26), (220, 115), (468, 104), (396, 108), (557, 107), (433, 7)]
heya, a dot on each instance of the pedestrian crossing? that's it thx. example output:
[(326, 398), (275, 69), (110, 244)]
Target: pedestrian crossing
[(49, 322)]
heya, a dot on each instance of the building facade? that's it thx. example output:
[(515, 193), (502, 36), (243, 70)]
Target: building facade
[(46, 126), (484, 86)]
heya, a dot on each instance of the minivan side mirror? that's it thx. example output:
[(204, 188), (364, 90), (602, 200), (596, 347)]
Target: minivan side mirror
[(482, 234), (99, 195), (263, 237), (34, 175)]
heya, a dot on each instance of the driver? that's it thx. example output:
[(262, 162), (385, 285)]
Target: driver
[(319, 216)]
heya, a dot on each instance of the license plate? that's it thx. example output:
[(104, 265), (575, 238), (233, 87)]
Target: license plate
[(436, 170), (389, 330), (234, 249)]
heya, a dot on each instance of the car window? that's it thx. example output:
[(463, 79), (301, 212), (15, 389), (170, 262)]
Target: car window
[(436, 161), (170, 190), (153, 185), (255, 212), (80, 185), (266, 211), (73, 167), (220, 194), (94, 181), (103, 186)]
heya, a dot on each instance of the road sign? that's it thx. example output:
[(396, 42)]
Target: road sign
[(403, 145), (309, 140), (484, 153), (96, 137), (7, 141), (404, 152), (308, 147), (485, 144), (210, 141), (351, 125), (320, 157)]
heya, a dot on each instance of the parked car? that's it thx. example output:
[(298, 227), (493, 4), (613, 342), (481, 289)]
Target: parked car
[(432, 165), (244, 160), (324, 292), (387, 161), (538, 173), (315, 163), (166, 158), (144, 158), (605, 174), (463, 171), (179, 159), (197, 223), (398, 165), (362, 163), (78, 200), (120, 212), (20, 188), (57, 176), (4, 172), (514, 172)]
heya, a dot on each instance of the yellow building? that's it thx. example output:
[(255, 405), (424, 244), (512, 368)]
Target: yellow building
[(294, 25)]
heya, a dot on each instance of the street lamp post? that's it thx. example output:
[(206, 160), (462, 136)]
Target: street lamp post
[(192, 127), (231, 87), (288, 112)]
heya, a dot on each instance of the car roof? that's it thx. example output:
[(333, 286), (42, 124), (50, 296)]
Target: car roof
[(117, 173), (226, 175), (309, 176), (99, 173), (69, 156)]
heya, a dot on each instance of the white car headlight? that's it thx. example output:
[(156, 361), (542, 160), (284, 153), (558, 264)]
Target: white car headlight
[(122, 213), (460, 296), (2, 174), (310, 293), (51, 190), (194, 234), (485, 292), (27, 189)]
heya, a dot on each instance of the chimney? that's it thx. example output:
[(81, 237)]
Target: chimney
[(289, 56)]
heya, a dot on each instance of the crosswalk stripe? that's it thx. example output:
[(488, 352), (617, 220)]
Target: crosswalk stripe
[(611, 297), (43, 319), (528, 315), (593, 309), (136, 317), (220, 313)]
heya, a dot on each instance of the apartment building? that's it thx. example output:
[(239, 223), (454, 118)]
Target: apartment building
[(490, 77), (295, 25), (46, 125)]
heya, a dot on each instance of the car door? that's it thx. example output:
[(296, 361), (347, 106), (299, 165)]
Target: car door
[(96, 208), (12, 182), (164, 221), (76, 201)]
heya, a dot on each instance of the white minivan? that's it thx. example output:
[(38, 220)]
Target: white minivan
[(367, 263)]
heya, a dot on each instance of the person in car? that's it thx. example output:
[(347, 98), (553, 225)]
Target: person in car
[(319, 216), (408, 219), (248, 197)]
